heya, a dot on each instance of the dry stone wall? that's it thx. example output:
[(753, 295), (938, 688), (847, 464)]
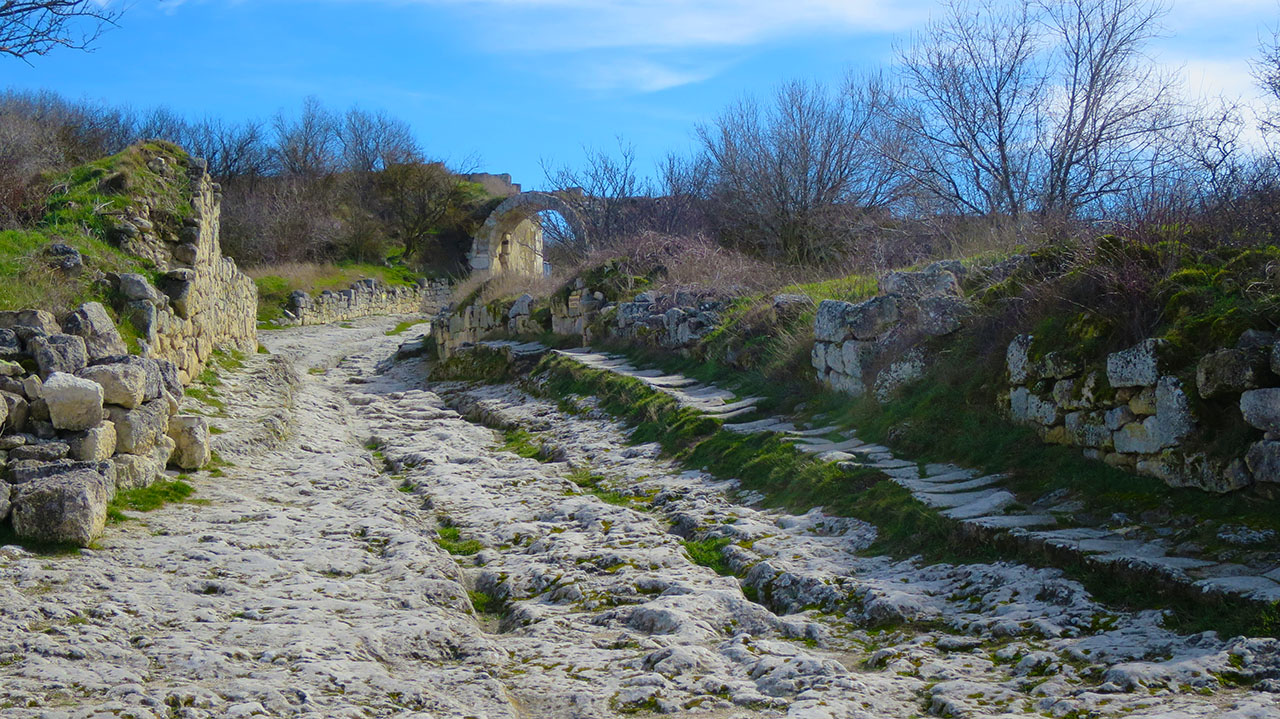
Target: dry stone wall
[(203, 300), (874, 345), (366, 298), (80, 417), (1134, 412)]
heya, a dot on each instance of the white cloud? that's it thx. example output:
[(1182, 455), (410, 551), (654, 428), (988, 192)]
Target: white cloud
[(584, 24)]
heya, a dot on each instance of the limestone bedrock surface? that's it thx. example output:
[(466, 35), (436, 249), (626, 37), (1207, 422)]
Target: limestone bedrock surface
[(312, 584)]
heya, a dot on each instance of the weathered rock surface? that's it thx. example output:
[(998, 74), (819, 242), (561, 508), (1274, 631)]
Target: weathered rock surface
[(191, 437), (67, 507), (91, 323), (74, 403), (125, 385), (138, 430), (58, 353)]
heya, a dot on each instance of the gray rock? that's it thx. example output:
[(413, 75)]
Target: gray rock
[(143, 316), (122, 384), (137, 430), (1017, 359), (154, 369), (1256, 339), (29, 470), (818, 356), (44, 452), (169, 376), (134, 471), (32, 388), (6, 494), (38, 320), (1088, 429), (1173, 420), (941, 315), (1056, 365), (522, 306), (91, 323), (1263, 460), (59, 353), (1119, 417), (186, 253), (1138, 366), (179, 293), (69, 507), (136, 287), (791, 302), (93, 445), (10, 345), (1026, 406), (191, 437), (931, 281), (828, 325), (1261, 408), (1232, 371), (870, 320), (38, 410), (891, 378), (1137, 438), (74, 404), (15, 411)]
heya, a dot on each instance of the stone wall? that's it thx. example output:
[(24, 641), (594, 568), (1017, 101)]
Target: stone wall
[(80, 417), (1135, 412), (203, 300), (876, 344), (366, 298)]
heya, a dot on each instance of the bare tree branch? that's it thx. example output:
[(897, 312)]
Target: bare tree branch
[(36, 27)]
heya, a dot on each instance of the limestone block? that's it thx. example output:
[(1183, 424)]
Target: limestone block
[(38, 320), (1017, 359), (1019, 401), (897, 374), (828, 324), (1136, 438), (1138, 366), (135, 470), (10, 345), (522, 306), (65, 507), (933, 280), (1231, 371), (869, 320), (137, 430), (845, 383), (122, 384), (856, 356), (6, 493), (1173, 420), (1199, 471), (1119, 417), (163, 450), (154, 383), (1261, 408), (59, 353), (32, 388), (42, 452), (941, 315), (191, 437), (15, 411), (1263, 459), (74, 404), (136, 287), (1088, 429), (91, 323), (93, 445), (818, 356), (835, 360)]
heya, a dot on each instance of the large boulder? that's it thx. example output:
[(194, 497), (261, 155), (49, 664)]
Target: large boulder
[(91, 323), (1232, 371), (134, 471), (152, 368), (136, 287), (1138, 366), (94, 444), (74, 404), (68, 507), (58, 353), (137, 430), (16, 410), (828, 325), (10, 345), (1261, 408), (1018, 360), (122, 384)]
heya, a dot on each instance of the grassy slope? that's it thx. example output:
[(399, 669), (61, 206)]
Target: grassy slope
[(75, 217)]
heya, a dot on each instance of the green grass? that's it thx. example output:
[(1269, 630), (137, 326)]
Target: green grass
[(147, 499), (524, 444), (402, 327), (590, 482), (487, 604), (708, 553), (451, 542)]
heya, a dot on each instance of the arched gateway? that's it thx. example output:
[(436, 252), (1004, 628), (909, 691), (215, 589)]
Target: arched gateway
[(510, 241)]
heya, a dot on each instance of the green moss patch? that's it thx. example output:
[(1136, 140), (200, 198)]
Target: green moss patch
[(148, 499)]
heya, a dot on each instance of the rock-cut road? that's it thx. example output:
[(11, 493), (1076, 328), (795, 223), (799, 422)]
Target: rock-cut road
[(388, 558)]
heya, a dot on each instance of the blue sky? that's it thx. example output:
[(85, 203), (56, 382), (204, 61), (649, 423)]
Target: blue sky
[(511, 83)]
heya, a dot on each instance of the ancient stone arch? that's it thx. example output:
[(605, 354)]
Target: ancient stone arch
[(511, 238)]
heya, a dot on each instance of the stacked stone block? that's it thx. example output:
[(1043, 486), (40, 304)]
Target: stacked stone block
[(366, 298)]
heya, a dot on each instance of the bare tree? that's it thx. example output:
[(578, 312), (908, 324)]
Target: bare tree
[(306, 146), (786, 178), (35, 27), (978, 97), (606, 192), (372, 141)]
